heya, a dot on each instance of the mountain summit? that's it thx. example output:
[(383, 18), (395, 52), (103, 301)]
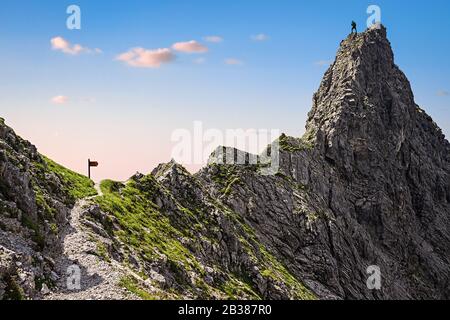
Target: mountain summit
[(365, 99), (365, 193), (389, 166)]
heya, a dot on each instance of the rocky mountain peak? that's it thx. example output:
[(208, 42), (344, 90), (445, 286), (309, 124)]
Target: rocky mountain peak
[(368, 186), (365, 103), (362, 61), (383, 162)]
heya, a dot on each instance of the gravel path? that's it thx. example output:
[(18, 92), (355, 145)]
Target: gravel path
[(99, 279)]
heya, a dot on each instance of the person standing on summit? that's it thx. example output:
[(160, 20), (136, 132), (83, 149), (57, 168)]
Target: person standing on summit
[(354, 27)]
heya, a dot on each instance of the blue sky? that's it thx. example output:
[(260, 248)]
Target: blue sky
[(124, 116)]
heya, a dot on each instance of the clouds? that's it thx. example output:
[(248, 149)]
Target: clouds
[(59, 100), (260, 37), (62, 100), (140, 57), (143, 58), (190, 47), (155, 58), (443, 93), (61, 44), (213, 39)]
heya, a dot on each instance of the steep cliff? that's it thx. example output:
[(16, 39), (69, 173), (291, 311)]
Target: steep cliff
[(368, 184), (384, 173), (373, 189)]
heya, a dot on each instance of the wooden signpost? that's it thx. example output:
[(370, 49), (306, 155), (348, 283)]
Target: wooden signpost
[(91, 164)]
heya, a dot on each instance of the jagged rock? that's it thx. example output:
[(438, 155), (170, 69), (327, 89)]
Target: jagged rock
[(35, 199), (368, 184), (384, 172)]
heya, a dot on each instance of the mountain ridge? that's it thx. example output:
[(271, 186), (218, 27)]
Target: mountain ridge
[(368, 184)]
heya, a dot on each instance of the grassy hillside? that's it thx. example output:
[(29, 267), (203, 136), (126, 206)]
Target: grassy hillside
[(176, 237)]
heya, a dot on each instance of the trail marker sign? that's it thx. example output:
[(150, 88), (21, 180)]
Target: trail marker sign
[(90, 165)]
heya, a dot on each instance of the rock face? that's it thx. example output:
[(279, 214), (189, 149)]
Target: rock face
[(371, 187), (35, 198), (368, 185), (385, 174)]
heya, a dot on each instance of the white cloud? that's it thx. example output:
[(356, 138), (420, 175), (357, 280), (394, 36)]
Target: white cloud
[(61, 44), (143, 58), (59, 99), (260, 37), (190, 47), (213, 39), (233, 62)]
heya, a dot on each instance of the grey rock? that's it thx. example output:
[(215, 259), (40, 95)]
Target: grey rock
[(45, 290), (368, 184)]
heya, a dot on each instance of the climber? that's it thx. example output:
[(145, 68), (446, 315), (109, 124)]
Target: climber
[(354, 27)]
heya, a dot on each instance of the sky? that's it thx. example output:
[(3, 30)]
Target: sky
[(117, 89)]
